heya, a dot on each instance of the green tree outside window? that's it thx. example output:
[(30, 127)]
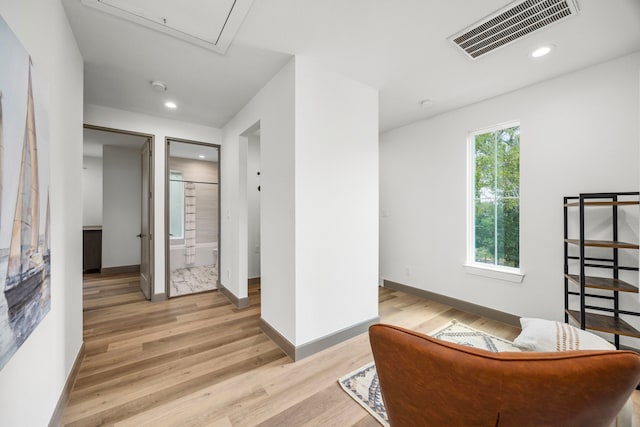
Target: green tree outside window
[(497, 197)]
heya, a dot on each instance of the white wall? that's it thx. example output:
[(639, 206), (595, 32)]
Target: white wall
[(91, 191), (160, 128), (31, 382), (253, 210), (318, 163), (122, 207), (336, 202), (579, 133), (273, 107)]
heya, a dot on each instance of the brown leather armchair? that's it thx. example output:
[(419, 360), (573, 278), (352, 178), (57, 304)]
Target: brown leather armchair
[(429, 382)]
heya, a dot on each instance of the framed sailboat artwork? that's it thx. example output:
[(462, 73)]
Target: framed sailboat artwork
[(25, 258)]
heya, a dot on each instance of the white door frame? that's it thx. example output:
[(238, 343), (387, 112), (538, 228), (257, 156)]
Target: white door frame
[(167, 242)]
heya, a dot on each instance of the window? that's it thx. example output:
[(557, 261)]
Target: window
[(176, 205), (495, 192)]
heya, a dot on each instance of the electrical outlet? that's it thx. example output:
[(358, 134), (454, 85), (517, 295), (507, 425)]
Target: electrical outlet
[(407, 271)]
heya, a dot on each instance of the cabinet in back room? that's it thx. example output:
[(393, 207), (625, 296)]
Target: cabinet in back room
[(91, 249)]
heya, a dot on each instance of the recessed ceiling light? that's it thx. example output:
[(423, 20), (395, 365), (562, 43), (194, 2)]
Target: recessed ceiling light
[(541, 51), (201, 156), (170, 104)]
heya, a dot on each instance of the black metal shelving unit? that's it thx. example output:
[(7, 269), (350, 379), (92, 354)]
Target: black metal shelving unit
[(598, 311)]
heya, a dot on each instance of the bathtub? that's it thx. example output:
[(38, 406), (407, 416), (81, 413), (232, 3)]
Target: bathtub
[(206, 254)]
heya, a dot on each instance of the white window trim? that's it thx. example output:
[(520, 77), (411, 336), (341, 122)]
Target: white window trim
[(514, 275), (493, 271)]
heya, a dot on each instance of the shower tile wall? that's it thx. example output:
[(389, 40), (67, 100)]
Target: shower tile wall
[(206, 196), (197, 277)]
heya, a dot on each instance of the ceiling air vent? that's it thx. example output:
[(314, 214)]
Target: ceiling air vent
[(511, 23)]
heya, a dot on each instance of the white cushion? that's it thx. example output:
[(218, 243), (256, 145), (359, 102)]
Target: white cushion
[(549, 335)]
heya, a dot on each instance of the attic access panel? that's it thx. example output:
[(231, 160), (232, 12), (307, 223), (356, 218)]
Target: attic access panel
[(206, 23), (511, 23)]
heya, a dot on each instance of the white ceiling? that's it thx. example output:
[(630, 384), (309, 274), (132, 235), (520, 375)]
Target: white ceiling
[(191, 19), (193, 151), (206, 23), (95, 139), (399, 47)]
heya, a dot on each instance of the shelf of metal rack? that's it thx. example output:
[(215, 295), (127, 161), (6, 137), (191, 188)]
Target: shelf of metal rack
[(599, 311)]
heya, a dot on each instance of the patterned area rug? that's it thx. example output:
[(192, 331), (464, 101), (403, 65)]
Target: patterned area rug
[(362, 384)]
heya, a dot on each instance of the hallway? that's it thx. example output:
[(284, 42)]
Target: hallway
[(140, 355)]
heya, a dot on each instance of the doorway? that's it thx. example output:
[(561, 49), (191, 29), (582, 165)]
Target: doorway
[(192, 216), (251, 274), (117, 200), (254, 190)]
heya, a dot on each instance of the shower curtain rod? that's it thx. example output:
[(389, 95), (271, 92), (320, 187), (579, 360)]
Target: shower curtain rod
[(193, 182)]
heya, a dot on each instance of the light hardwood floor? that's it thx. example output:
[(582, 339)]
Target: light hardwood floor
[(197, 361)]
